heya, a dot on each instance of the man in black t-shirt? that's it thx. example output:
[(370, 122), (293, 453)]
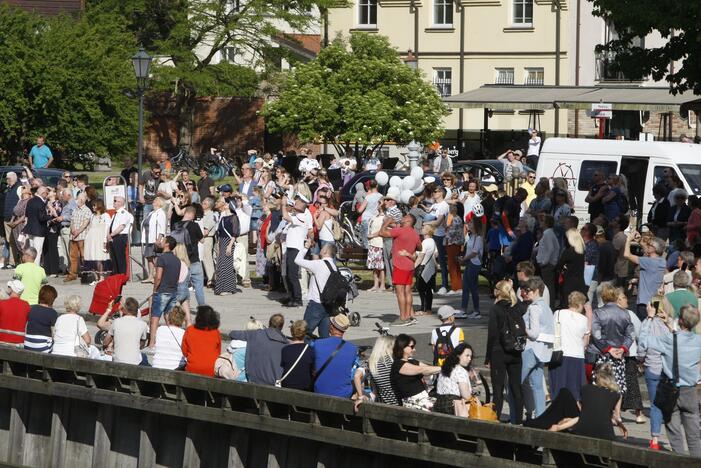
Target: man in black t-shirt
[(598, 190), (165, 286), (196, 271), (205, 184), (148, 188)]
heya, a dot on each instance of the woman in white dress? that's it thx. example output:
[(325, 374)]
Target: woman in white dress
[(97, 256), (71, 335)]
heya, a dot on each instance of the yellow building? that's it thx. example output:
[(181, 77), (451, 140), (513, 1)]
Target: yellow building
[(461, 45)]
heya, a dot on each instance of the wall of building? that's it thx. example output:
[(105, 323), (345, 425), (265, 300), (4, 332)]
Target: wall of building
[(48, 7)]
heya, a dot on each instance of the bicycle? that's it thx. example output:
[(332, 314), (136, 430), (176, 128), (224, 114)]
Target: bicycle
[(218, 165), (183, 160)]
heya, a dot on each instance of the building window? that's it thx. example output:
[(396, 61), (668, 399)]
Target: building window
[(505, 76), (367, 12), (229, 54), (523, 12), (443, 79), (443, 12), (535, 77)]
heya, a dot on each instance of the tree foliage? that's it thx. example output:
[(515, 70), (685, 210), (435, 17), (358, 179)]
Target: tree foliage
[(679, 22), (357, 91), (65, 77)]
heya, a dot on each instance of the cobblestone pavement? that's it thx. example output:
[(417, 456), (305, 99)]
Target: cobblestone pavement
[(373, 307)]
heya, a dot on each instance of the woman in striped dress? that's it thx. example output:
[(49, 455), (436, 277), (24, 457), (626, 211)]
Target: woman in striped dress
[(380, 366), (225, 272)]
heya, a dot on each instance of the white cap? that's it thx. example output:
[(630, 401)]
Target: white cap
[(446, 311), (16, 286)]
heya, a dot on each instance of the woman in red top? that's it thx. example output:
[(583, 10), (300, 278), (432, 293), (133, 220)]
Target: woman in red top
[(202, 342)]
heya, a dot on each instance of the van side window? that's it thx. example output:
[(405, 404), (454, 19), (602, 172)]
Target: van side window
[(588, 168), (664, 175)]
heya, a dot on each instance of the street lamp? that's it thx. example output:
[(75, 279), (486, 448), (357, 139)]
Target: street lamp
[(411, 61), (414, 154), (142, 64)]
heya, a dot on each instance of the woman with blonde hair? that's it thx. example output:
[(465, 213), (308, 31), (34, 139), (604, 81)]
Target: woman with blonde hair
[(155, 233), (571, 266), (561, 183), (503, 362), (571, 337), (600, 407), (380, 367)]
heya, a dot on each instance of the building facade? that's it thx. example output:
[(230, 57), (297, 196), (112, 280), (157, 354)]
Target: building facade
[(48, 7), (460, 45)]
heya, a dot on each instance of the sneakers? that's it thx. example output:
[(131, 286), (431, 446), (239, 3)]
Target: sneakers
[(474, 315), (640, 419), (412, 321), (455, 293), (442, 292), (654, 445), (461, 315)]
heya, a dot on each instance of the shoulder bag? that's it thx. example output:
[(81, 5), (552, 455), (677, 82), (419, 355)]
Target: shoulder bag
[(481, 412), (328, 361), (81, 348), (278, 383), (667, 390), (557, 356)]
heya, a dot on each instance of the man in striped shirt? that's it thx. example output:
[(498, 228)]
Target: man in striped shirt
[(80, 220)]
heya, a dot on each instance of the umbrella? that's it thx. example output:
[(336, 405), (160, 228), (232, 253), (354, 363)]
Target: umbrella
[(105, 291)]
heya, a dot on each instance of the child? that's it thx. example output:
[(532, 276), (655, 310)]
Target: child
[(256, 213)]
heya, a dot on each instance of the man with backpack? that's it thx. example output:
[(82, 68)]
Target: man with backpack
[(445, 338), (325, 291), (188, 232)]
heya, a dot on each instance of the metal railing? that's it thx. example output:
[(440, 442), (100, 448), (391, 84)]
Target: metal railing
[(374, 431)]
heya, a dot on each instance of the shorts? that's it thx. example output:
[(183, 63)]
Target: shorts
[(162, 303), (402, 277)]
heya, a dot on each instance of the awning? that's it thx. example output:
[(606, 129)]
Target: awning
[(508, 97)]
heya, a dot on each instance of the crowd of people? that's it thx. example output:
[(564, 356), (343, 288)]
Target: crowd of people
[(561, 288)]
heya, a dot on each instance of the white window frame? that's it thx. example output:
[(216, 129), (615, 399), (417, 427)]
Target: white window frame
[(229, 54), (368, 5), (440, 81), (535, 70), (521, 21), (506, 70), (447, 7)]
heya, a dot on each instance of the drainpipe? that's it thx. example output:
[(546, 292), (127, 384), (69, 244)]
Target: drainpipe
[(576, 65), (461, 9), (558, 11), (415, 10)]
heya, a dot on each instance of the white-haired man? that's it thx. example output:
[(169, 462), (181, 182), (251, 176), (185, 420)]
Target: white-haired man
[(118, 236)]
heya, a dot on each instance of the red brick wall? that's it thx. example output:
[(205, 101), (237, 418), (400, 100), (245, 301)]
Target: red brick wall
[(230, 123), (49, 7)]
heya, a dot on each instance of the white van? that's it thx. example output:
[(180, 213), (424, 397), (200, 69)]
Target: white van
[(643, 163)]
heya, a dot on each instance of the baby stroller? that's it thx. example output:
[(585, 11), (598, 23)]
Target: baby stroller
[(351, 279)]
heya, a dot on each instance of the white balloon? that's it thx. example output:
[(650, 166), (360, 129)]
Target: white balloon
[(406, 195), (382, 178), (417, 173), (417, 183), (394, 191), (419, 189), (408, 183), (395, 181)]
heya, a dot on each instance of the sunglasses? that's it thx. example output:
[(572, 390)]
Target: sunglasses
[(412, 346)]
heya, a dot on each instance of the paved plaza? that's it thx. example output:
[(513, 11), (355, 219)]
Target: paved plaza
[(235, 311)]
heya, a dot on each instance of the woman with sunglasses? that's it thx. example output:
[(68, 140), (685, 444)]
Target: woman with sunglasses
[(191, 189), (451, 191), (407, 375)]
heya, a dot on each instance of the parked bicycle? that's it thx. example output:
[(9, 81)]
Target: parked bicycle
[(183, 160), (218, 164)]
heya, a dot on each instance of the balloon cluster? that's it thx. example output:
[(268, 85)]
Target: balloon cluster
[(402, 189)]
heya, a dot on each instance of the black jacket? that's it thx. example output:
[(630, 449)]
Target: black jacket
[(659, 214), (37, 218), (495, 351), (678, 232)]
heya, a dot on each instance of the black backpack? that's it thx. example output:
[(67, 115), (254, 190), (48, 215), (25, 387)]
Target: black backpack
[(335, 290), (513, 332), (180, 233), (443, 346)]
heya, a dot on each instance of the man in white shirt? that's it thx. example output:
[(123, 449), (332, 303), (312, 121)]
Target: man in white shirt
[(316, 314), (308, 163), (299, 229), (443, 163), (440, 211), (246, 183), (547, 257), (533, 148), (129, 334), (118, 236)]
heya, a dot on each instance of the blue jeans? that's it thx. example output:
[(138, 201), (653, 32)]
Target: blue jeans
[(387, 257), (197, 280), (316, 315), (163, 303), (532, 372), (364, 225), (470, 284), (443, 260), (652, 380)]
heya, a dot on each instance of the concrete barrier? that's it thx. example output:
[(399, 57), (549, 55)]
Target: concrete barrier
[(57, 411)]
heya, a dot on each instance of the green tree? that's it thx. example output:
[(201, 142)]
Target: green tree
[(65, 77), (677, 21), (357, 93)]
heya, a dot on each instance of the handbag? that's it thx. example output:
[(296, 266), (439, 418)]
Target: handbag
[(460, 408), (481, 412), (557, 355), (278, 383), (81, 348), (667, 390)]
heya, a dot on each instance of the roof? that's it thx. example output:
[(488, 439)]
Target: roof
[(48, 7), (507, 97), (306, 46)]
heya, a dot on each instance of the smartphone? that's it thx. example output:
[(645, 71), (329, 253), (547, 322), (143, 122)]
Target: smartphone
[(656, 305), (684, 266), (117, 299)]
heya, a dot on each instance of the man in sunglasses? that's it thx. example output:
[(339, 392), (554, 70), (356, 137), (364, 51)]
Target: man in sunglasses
[(529, 186)]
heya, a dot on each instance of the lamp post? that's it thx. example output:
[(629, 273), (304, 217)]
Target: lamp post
[(142, 64), (414, 154)]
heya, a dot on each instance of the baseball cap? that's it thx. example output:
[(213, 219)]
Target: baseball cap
[(225, 188), (340, 322), (259, 160), (251, 151), (491, 188), (16, 286), (391, 197), (445, 311), (600, 231)]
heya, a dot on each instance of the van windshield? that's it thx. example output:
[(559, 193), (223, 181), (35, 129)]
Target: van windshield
[(692, 174)]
